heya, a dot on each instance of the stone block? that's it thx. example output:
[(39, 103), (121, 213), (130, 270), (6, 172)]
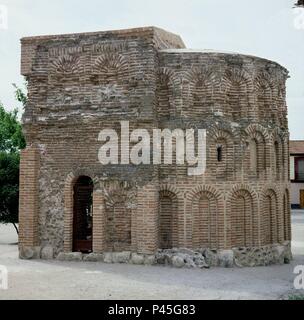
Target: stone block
[(28, 253), (150, 260), (121, 257), (108, 257), (178, 261), (137, 258), (94, 257), (226, 258), (47, 253), (69, 256), (211, 258)]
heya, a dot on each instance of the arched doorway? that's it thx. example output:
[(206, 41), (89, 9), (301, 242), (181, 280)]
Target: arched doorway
[(83, 215), (168, 220)]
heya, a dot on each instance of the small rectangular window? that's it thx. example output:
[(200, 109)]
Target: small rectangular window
[(299, 168)]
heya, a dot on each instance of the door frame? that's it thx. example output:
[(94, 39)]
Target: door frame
[(82, 245), (302, 198)]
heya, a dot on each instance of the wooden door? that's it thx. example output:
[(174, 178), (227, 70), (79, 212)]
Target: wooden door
[(302, 199), (82, 222)]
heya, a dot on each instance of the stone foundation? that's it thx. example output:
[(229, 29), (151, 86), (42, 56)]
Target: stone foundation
[(179, 258)]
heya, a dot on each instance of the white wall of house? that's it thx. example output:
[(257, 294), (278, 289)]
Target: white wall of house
[(295, 192), (292, 167)]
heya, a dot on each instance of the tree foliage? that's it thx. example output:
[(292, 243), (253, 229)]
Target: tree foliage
[(20, 95), (11, 137), (9, 190), (11, 141)]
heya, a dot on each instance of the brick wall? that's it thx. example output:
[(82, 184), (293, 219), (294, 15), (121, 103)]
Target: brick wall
[(80, 84), (28, 198)]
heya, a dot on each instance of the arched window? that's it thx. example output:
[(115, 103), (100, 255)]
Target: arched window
[(283, 165), (163, 96), (286, 208), (222, 157), (168, 221), (253, 156), (235, 99), (205, 231), (242, 224), (277, 159), (219, 151), (271, 215), (118, 229), (256, 154)]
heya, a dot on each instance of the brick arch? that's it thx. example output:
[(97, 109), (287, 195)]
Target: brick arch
[(286, 215), (285, 156), (270, 228), (237, 86), (66, 65), (70, 181), (212, 207), (169, 74), (278, 134), (120, 203), (217, 132), (205, 220), (253, 129), (280, 100), (257, 135), (110, 66), (167, 83), (264, 91), (246, 187), (202, 84), (203, 188), (118, 191), (171, 188), (243, 219), (279, 161), (168, 219), (283, 137), (223, 139)]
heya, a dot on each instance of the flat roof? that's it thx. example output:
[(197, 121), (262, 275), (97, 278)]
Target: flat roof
[(118, 32), (296, 146)]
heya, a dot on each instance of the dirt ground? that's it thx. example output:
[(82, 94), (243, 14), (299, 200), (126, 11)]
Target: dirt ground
[(67, 280)]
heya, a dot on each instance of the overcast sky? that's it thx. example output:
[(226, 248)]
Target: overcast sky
[(271, 29)]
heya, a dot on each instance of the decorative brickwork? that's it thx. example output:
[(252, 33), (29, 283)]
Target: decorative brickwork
[(80, 84), (28, 202)]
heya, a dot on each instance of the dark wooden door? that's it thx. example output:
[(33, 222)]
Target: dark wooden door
[(82, 222), (302, 199)]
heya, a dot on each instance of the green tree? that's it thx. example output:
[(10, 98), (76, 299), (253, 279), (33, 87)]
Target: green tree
[(11, 141), (11, 137), (9, 187), (20, 94)]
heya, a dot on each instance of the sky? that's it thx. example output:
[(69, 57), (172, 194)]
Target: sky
[(271, 29)]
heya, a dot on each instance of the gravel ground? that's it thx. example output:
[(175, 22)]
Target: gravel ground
[(67, 280)]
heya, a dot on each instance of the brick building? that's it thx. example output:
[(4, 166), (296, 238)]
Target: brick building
[(297, 173), (238, 211)]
